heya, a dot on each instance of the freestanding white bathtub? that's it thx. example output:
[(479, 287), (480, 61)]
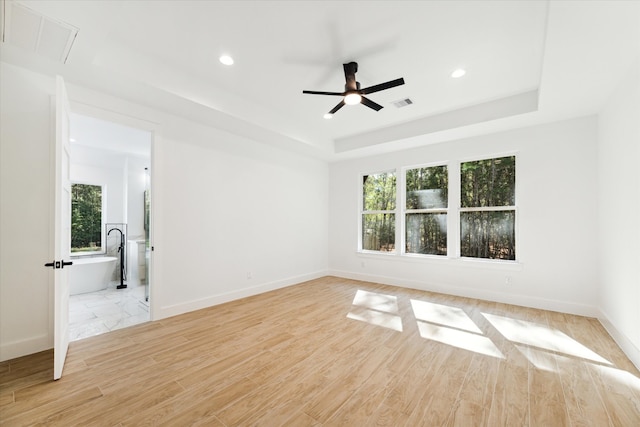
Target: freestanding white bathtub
[(90, 274)]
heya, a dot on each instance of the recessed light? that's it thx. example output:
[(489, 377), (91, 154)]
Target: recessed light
[(72, 140), (226, 60), (328, 116), (458, 73)]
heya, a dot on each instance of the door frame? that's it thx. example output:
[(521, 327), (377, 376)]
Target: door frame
[(109, 115)]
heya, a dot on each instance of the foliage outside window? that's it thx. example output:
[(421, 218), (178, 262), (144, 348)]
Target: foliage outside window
[(426, 210), (487, 213), (378, 212), (86, 218)]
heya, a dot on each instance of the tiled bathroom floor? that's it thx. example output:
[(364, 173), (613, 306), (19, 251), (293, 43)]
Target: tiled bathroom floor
[(104, 311)]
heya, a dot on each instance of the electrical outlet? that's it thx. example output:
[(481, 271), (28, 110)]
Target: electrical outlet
[(249, 275), (362, 264), (508, 280)]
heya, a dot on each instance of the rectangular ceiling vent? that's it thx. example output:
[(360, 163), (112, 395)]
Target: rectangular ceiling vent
[(30, 30), (402, 103)]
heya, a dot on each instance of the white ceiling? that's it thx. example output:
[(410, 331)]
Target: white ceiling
[(105, 135), (527, 62)]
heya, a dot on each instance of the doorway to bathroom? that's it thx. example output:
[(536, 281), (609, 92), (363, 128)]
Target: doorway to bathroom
[(110, 172)]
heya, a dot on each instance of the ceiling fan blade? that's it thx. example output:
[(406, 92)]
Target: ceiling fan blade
[(350, 71), (315, 92), (337, 107), (369, 103), (382, 86)]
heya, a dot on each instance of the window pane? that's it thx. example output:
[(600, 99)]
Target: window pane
[(488, 235), (426, 233), (86, 218), (427, 188), (490, 182), (379, 192), (378, 232)]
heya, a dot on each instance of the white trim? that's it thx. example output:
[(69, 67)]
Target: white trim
[(176, 309), (453, 216), (489, 209), (521, 300), (497, 155), (453, 262), (625, 344), (27, 346)]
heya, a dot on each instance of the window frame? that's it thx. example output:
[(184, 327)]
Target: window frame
[(103, 220), (405, 211), (362, 212), (453, 212), (513, 208)]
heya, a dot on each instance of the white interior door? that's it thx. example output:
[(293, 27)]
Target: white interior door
[(62, 229)]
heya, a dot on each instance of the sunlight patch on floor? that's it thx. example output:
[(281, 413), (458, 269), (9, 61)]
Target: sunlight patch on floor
[(376, 301), (540, 359), (446, 315), (534, 334), (461, 339), (619, 376)]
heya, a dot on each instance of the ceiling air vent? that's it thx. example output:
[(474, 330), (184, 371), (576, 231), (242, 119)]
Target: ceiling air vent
[(402, 103), (30, 30)]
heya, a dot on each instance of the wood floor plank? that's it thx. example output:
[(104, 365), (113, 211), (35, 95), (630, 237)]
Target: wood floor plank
[(335, 352), (435, 407), (582, 397), (510, 403)]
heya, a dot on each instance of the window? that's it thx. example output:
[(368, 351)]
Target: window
[(426, 205), (487, 208), (86, 218), (378, 212)]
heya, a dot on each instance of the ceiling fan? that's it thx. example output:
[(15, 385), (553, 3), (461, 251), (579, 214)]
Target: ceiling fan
[(352, 93)]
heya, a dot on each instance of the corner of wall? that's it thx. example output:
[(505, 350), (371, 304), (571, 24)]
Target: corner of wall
[(193, 305), (632, 352)]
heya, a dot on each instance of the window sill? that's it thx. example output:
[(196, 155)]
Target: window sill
[(494, 264), (86, 254)]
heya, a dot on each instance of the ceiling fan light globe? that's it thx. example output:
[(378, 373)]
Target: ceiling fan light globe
[(226, 60), (352, 98), (456, 74)]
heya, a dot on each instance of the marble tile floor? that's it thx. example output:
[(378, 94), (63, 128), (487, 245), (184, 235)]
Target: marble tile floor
[(98, 312)]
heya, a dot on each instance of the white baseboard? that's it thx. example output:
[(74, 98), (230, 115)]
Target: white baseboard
[(521, 300), (14, 349), (174, 310), (632, 352)]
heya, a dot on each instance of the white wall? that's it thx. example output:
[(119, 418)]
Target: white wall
[(556, 230), (135, 195), (223, 207), (230, 209), (619, 214), (25, 291)]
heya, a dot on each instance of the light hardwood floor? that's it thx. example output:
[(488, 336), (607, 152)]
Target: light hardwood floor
[(335, 352)]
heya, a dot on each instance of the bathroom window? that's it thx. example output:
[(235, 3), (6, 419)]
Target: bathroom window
[(87, 219)]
